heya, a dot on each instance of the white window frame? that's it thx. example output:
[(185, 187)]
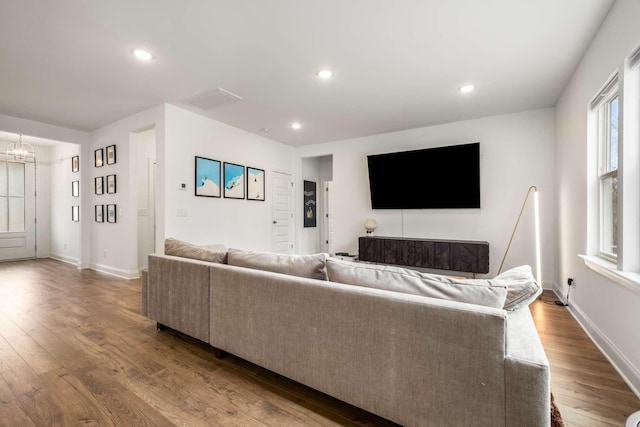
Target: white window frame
[(602, 108), (624, 269)]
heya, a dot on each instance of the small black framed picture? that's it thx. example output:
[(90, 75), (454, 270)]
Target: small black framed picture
[(75, 164), (99, 213), (111, 184), (207, 182), (99, 154), (233, 181), (111, 213), (75, 189), (111, 154), (255, 184), (75, 213), (99, 185)]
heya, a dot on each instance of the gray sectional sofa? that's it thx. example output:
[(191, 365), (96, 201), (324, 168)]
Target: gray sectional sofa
[(417, 349)]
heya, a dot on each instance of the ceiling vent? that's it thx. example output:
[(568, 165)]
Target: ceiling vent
[(213, 98)]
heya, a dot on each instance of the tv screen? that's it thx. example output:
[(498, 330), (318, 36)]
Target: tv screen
[(432, 178)]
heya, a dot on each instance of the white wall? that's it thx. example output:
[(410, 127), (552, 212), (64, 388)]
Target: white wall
[(64, 233), (235, 223), (606, 309), (43, 201), (516, 151), (113, 248)]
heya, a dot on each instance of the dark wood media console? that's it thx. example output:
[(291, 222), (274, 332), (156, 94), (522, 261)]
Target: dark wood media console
[(453, 255)]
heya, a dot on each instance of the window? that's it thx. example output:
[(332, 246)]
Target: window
[(12, 197), (613, 190), (605, 106)]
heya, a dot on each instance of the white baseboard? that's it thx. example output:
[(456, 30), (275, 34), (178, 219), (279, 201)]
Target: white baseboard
[(65, 258), (621, 364), (125, 274)]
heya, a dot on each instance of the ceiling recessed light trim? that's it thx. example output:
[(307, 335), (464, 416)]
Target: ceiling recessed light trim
[(143, 54), (466, 88), (324, 74), (296, 125)]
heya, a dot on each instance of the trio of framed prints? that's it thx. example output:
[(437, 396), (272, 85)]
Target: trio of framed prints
[(214, 178), (109, 211)]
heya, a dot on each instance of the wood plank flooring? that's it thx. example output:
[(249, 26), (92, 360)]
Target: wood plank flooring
[(587, 389), (74, 351)]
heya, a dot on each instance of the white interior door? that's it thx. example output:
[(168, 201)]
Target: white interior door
[(283, 219), (18, 210)]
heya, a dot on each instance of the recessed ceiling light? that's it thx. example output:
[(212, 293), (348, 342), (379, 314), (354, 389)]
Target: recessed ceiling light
[(324, 74), (143, 55), (296, 125), (466, 88)]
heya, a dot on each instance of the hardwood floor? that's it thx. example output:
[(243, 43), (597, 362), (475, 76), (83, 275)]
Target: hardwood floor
[(74, 350), (587, 389)]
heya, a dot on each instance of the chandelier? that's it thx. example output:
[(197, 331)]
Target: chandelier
[(21, 152)]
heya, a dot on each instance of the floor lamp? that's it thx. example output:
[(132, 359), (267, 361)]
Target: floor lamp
[(537, 226)]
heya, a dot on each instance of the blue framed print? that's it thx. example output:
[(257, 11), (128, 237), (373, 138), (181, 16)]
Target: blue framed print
[(255, 184), (207, 177), (233, 181)]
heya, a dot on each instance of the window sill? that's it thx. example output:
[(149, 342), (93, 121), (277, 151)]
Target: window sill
[(610, 270)]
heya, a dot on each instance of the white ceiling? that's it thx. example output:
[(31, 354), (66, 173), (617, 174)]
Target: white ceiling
[(397, 64)]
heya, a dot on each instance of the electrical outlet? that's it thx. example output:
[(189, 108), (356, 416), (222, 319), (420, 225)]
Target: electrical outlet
[(104, 253), (570, 281)]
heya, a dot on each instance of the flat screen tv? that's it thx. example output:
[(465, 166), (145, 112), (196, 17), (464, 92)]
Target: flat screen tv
[(432, 178)]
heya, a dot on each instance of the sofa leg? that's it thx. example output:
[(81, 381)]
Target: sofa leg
[(219, 354), (160, 327)]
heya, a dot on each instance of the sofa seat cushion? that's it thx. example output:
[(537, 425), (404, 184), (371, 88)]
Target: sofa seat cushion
[(309, 266), (211, 253), (522, 287), (490, 293)]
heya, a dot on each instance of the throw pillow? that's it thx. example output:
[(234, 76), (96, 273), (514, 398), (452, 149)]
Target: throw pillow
[(490, 293), (522, 287), (211, 253), (310, 266)]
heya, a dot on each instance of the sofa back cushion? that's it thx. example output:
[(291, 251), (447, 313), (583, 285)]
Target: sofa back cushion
[(490, 293), (212, 253), (522, 287), (309, 266)]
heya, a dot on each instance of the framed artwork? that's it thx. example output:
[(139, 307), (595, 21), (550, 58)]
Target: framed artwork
[(207, 177), (75, 213), (233, 181), (111, 184), (98, 155), (309, 204), (99, 213), (255, 184), (75, 164), (111, 154), (111, 213), (99, 185), (75, 189)]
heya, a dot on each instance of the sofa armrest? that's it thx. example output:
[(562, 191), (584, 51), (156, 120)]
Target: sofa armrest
[(144, 292), (408, 358), (178, 294), (527, 375)]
